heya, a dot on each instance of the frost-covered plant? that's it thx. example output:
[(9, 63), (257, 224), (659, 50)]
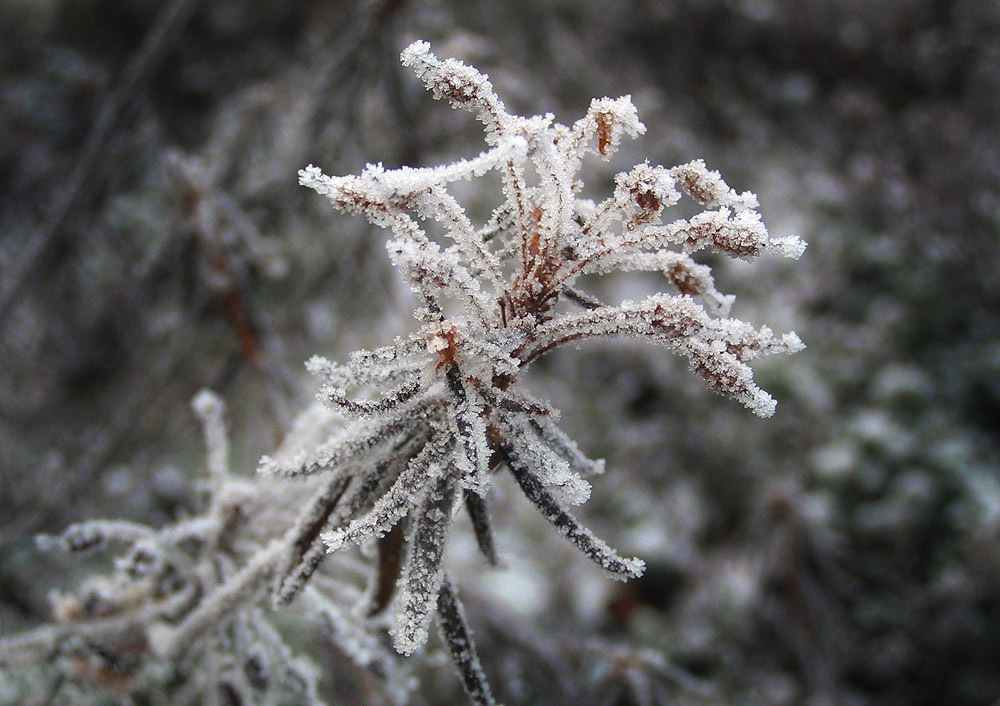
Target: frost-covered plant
[(179, 600), (447, 405), (431, 418)]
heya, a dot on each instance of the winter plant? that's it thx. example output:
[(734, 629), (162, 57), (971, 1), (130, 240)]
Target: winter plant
[(418, 429)]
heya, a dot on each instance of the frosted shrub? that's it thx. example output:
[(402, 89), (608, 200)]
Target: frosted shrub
[(419, 428)]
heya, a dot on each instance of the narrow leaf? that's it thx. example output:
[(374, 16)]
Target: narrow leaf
[(422, 577), (595, 549), (482, 526), (455, 633)]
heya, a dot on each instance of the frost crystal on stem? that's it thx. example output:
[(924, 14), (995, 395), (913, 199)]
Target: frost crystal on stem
[(491, 296)]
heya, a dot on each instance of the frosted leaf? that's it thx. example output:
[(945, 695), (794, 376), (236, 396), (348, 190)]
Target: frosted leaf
[(386, 365), (515, 401), (378, 193), (306, 549), (707, 187), (500, 220), (395, 503), (687, 276), (724, 373), (364, 369), (463, 86), (429, 271), (196, 528), (742, 235), (593, 548), (339, 502), (372, 481), (791, 246), (472, 451), (792, 343), (335, 397), (422, 577), (482, 526), (554, 221), (361, 437), (660, 317), (389, 551), (208, 405), (455, 633), (443, 208), (551, 469), (605, 122), (485, 352), (580, 298), (747, 343), (643, 192)]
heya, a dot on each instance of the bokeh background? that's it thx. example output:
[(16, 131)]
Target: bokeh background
[(154, 241)]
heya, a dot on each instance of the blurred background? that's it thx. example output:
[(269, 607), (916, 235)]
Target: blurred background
[(154, 241)]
